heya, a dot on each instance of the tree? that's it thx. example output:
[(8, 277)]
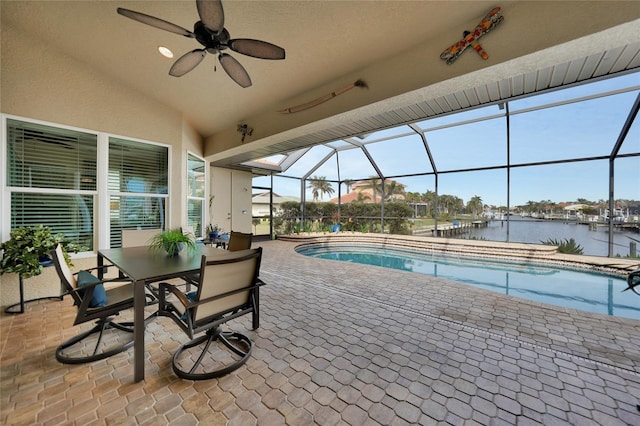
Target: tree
[(429, 197), (450, 203), (413, 197), (362, 197), (319, 187), (391, 189), (375, 184), (387, 189), (347, 184), (475, 205)]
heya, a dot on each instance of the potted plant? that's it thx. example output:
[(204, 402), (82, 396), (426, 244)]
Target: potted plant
[(213, 231), (172, 241), (28, 249), (335, 226)]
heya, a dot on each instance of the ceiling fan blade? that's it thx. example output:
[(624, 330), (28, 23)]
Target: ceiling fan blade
[(187, 62), (155, 22), (235, 70), (257, 48), (211, 14)]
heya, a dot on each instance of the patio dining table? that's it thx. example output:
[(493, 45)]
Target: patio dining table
[(145, 266)]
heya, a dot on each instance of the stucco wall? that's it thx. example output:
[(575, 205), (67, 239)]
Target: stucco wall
[(38, 82)]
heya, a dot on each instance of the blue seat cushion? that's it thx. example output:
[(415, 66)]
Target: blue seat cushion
[(191, 297), (99, 296)]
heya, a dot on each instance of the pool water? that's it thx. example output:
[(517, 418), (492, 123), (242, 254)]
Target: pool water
[(568, 288)]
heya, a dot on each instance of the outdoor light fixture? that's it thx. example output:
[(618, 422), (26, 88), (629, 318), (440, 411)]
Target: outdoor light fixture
[(245, 130)]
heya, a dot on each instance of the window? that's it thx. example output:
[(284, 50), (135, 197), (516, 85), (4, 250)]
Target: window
[(137, 185), (51, 175), (195, 194)]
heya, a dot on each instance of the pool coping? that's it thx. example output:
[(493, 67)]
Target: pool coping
[(534, 253)]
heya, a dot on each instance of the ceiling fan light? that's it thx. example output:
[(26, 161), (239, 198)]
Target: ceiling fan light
[(165, 51)]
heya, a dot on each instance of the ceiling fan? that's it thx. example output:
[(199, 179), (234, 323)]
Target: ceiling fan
[(210, 32)]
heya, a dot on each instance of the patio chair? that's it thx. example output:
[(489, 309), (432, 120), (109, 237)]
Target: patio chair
[(239, 241), (633, 282), (228, 288), (141, 238), (138, 237), (97, 300)]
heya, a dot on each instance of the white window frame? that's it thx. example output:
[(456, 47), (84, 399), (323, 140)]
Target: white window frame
[(101, 221), (189, 197)]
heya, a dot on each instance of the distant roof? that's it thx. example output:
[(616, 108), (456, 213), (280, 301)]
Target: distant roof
[(353, 196), (263, 197), (575, 206)]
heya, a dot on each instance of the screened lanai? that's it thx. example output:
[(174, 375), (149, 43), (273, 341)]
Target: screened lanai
[(570, 154)]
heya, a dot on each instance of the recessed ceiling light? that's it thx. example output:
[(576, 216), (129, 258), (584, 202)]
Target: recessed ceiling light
[(164, 51)]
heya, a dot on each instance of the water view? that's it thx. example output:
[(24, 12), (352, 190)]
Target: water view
[(593, 240), (586, 291)]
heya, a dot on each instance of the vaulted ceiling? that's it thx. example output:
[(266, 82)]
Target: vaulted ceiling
[(392, 45)]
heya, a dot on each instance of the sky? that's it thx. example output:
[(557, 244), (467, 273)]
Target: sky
[(586, 129)]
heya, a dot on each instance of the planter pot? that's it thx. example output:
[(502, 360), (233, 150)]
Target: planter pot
[(45, 261), (173, 249)]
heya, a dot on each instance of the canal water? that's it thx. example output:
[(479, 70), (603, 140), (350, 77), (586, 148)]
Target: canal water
[(594, 241)]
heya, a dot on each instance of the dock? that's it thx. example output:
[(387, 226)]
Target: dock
[(450, 230)]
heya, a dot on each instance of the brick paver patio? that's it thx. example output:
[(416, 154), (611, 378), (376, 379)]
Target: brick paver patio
[(343, 343)]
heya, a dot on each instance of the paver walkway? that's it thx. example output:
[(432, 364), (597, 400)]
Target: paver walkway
[(343, 343)]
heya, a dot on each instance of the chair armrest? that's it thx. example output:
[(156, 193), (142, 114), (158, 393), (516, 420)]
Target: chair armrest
[(91, 285), (171, 288), (100, 267)]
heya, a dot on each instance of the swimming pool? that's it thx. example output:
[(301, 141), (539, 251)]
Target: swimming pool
[(587, 291)]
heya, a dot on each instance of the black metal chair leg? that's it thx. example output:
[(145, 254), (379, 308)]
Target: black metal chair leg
[(99, 328), (211, 337)]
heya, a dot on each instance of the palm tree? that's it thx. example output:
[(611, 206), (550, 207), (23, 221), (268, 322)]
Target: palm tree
[(475, 205), (375, 184), (413, 197), (429, 197), (391, 189), (362, 197), (347, 184), (320, 186), (451, 203)]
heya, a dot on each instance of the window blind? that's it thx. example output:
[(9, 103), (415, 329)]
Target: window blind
[(61, 162), (137, 185), (137, 167), (40, 156), (71, 215)]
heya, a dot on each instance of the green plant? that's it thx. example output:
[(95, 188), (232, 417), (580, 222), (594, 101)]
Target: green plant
[(172, 241), (568, 246), (28, 246)]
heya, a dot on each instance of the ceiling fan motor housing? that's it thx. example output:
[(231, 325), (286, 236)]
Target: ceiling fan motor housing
[(211, 41)]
